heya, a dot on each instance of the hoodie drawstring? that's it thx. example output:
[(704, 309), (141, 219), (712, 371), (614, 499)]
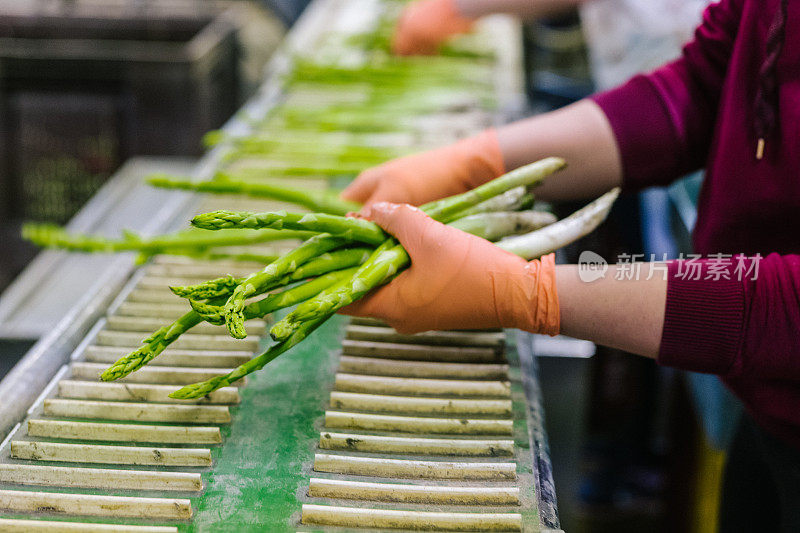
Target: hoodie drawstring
[(767, 96)]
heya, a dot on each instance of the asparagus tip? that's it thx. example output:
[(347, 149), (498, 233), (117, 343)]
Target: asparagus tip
[(282, 330), (131, 362), (212, 221), (200, 389)]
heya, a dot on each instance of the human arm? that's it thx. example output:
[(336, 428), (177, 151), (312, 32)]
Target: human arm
[(578, 133), (459, 281), (613, 311), (425, 24), (731, 316)]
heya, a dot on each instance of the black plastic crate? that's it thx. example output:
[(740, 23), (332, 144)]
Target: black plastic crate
[(86, 85), (65, 147)]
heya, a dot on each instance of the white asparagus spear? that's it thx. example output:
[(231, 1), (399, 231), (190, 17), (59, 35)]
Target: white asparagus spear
[(494, 226), (552, 237)]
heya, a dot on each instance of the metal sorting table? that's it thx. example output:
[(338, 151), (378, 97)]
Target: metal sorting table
[(357, 427)]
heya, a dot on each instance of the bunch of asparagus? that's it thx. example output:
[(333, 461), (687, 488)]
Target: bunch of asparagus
[(343, 260)]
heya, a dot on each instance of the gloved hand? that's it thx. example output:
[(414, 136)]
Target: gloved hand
[(420, 178), (458, 281), (426, 24)]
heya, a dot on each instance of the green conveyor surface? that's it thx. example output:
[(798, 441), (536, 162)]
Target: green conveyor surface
[(259, 470)]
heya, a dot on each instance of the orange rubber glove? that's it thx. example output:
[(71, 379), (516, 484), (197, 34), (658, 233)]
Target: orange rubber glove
[(420, 178), (458, 281), (426, 24)]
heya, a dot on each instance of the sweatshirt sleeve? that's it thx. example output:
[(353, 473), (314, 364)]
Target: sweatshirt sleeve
[(734, 317), (671, 111)]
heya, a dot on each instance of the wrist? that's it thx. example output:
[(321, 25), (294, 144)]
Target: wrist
[(526, 297)]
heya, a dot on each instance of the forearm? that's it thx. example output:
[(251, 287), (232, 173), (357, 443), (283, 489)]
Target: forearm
[(581, 134), (525, 9), (624, 314)]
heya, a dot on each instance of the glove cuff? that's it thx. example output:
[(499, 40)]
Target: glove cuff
[(527, 299)]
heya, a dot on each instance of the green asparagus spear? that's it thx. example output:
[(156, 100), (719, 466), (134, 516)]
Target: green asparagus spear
[(330, 261), (377, 270), (203, 254), (286, 264), (278, 300), (353, 229), (260, 145), (198, 390), (559, 234), (449, 209), (212, 288), (151, 347), (322, 264), (315, 266), (50, 236), (156, 343), (324, 201), (512, 200)]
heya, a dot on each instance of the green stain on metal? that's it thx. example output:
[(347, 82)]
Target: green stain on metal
[(259, 470)]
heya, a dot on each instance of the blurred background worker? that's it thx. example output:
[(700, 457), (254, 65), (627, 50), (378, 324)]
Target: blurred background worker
[(623, 38)]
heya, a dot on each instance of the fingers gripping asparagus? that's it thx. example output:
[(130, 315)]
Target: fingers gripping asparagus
[(529, 246), (385, 263), (388, 259)]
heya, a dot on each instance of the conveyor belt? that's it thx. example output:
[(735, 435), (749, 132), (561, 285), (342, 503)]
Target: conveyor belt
[(412, 443), (126, 437), (428, 431), (438, 452)]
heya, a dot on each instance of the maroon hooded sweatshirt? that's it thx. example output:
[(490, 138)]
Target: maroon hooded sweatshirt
[(737, 82)]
